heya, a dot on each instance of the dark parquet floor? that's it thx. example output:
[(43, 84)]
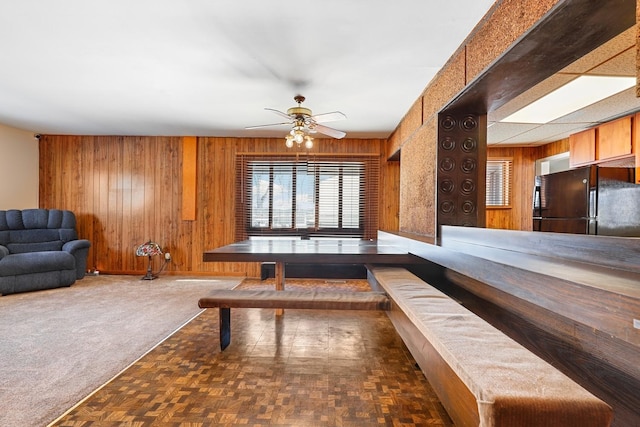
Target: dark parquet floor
[(304, 368)]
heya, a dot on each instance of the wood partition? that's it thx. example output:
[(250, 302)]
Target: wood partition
[(126, 190)]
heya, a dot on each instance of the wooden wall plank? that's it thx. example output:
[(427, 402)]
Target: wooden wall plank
[(84, 213), (189, 162), (101, 188), (128, 164), (138, 234)]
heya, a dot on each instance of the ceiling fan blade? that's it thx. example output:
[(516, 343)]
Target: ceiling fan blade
[(334, 133), (280, 113), (266, 126), (329, 117)]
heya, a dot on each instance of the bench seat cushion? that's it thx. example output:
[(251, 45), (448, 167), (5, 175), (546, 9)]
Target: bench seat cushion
[(498, 371), (296, 299)]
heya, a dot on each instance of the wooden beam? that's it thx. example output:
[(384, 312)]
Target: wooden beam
[(189, 161), (569, 31)]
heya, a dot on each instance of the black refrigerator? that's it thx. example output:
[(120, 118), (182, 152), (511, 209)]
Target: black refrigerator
[(588, 200)]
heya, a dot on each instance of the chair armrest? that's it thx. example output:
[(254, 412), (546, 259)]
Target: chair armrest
[(80, 250), (3, 251), (76, 245)]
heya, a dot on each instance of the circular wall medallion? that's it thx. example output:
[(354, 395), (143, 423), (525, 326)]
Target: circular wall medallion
[(469, 123), (468, 165), (467, 186), (448, 123), (447, 207), (447, 164), (447, 186), (469, 144), (468, 207), (448, 143)]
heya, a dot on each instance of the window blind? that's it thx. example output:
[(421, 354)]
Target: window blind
[(499, 176), (311, 197)]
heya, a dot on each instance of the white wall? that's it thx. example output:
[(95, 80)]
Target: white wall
[(19, 169)]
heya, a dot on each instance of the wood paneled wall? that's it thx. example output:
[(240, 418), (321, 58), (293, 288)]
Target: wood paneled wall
[(389, 194), (126, 190), (519, 216)]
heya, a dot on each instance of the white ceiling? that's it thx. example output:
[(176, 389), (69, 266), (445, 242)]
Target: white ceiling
[(209, 68)]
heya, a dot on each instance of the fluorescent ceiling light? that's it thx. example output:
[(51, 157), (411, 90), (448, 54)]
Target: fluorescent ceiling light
[(576, 94)]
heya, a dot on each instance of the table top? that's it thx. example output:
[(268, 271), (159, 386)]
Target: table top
[(320, 251)]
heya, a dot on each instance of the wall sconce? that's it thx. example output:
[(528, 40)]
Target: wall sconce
[(149, 249)]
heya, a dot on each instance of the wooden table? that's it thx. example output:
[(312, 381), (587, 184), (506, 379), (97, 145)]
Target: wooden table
[(321, 251)]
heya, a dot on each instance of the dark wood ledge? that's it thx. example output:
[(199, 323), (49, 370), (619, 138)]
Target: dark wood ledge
[(622, 253), (597, 284)]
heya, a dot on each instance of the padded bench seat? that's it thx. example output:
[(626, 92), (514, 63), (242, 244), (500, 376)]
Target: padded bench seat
[(226, 299), (481, 376)]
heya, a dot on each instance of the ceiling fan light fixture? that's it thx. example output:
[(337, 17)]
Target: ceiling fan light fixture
[(299, 111), (288, 141), (305, 123), (308, 142), (298, 135)]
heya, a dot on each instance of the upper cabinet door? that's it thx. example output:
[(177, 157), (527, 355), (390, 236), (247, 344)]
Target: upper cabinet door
[(614, 139), (582, 148)]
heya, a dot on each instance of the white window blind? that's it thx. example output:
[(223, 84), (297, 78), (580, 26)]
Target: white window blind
[(313, 197), (499, 182)]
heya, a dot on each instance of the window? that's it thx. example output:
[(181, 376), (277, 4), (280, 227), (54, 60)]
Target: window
[(281, 196), (499, 172)]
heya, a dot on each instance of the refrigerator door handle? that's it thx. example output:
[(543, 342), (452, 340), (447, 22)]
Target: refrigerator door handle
[(537, 203)]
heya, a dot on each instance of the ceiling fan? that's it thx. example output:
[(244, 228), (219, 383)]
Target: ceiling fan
[(304, 121)]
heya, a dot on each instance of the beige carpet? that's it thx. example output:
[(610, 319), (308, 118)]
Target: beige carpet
[(57, 346)]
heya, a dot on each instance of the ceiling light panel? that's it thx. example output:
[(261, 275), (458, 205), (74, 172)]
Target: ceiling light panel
[(573, 96)]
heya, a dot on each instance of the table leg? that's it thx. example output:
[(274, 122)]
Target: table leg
[(224, 313), (279, 282)]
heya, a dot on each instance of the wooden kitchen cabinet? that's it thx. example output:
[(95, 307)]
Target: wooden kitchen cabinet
[(615, 143), (613, 139), (582, 148)]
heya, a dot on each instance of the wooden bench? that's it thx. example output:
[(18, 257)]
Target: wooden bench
[(224, 300), (482, 377), (571, 299)]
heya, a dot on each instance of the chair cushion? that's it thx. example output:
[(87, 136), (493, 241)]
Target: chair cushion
[(21, 248), (36, 262)]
